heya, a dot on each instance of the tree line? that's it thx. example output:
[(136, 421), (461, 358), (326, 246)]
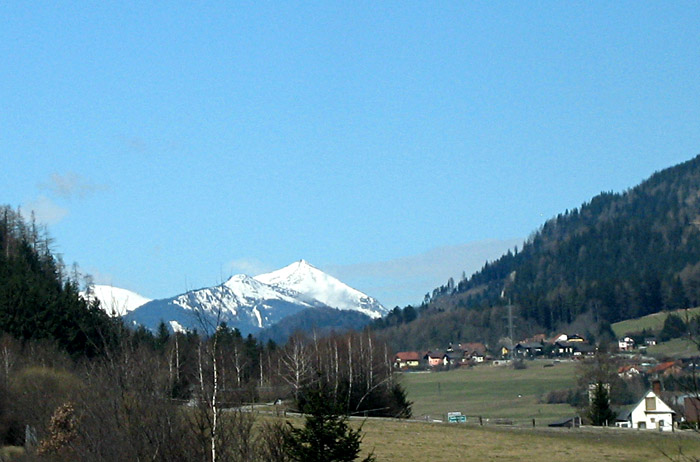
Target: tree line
[(39, 298), (181, 396)]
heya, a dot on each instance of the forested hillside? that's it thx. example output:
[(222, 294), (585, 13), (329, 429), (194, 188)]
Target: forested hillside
[(37, 298), (619, 256), (322, 320)]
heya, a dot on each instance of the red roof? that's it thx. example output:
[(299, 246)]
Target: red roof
[(477, 347), (661, 367), (408, 356)]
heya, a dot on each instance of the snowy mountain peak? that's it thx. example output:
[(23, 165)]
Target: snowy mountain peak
[(251, 304), (313, 283), (242, 302)]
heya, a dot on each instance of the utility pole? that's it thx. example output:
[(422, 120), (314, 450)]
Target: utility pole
[(508, 282), (510, 327)]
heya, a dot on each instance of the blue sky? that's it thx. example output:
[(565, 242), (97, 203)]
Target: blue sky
[(393, 144)]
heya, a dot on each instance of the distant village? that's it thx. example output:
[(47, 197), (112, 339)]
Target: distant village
[(658, 408), (476, 353)]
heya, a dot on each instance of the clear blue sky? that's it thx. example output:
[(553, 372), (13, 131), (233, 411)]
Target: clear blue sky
[(170, 144)]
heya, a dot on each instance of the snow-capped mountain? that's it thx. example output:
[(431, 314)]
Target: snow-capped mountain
[(251, 304), (314, 284), (242, 302), (115, 301)]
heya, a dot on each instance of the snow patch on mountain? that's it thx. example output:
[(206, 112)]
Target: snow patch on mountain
[(115, 301)]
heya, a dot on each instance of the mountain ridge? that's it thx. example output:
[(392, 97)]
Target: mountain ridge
[(250, 304)]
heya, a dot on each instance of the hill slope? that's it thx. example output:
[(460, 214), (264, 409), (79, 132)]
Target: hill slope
[(619, 256)]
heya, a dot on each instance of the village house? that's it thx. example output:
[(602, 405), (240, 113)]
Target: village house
[(650, 341), (563, 348), (625, 344), (666, 369), (528, 350), (568, 338), (406, 359), (504, 351), (581, 349), (472, 347), (649, 413), (473, 352), (629, 371), (435, 358), (456, 358)]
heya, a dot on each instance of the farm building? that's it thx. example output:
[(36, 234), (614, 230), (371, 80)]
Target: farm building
[(406, 359), (650, 413)]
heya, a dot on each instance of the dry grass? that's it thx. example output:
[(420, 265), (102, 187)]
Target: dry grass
[(8, 453), (403, 441), (493, 392)]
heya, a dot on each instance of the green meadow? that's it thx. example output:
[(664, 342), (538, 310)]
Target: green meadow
[(493, 392), (503, 394), (653, 321)]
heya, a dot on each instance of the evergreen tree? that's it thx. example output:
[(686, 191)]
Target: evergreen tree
[(674, 327), (599, 411), (37, 301), (409, 314), (326, 436)]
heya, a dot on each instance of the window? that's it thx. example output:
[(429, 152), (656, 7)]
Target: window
[(650, 403), (641, 425), (661, 423)]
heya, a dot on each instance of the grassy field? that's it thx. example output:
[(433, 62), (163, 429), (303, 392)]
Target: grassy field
[(492, 392), (653, 321), (675, 348), (397, 441), (505, 393)]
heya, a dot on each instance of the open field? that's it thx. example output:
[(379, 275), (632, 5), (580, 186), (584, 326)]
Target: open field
[(652, 321), (403, 441), (492, 392)]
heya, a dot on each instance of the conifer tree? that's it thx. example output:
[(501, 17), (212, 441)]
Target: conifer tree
[(326, 436), (600, 412)]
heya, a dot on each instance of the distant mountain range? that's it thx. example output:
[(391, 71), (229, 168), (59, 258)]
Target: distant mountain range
[(249, 304)]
